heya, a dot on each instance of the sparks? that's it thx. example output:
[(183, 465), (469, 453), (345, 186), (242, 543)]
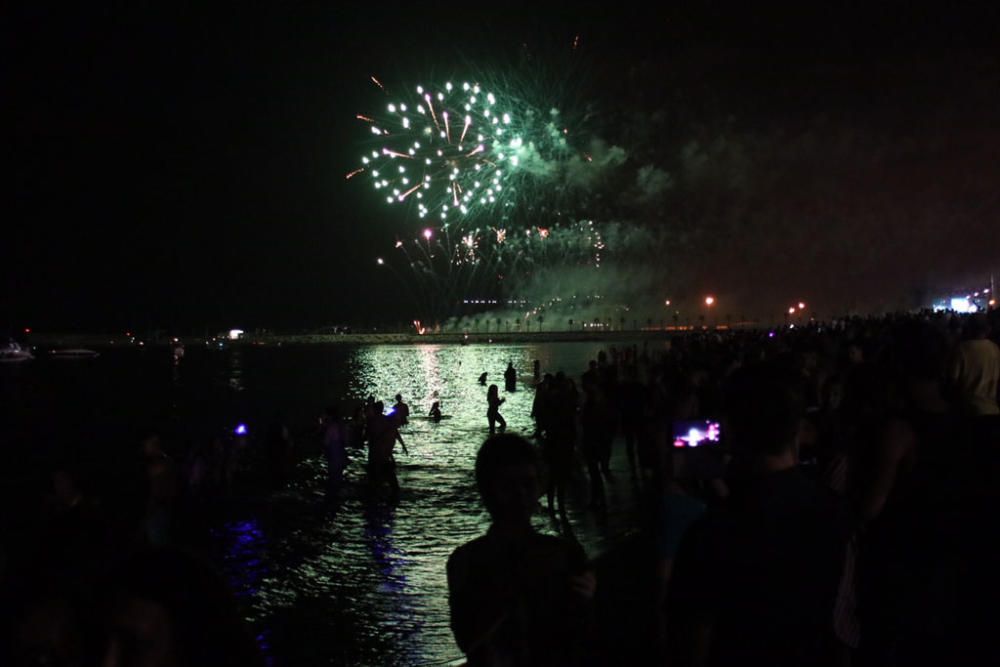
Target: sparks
[(430, 105), (391, 153), (354, 173), (378, 83), (410, 191), (468, 122), (365, 118)]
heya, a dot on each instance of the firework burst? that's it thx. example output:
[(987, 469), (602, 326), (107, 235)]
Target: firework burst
[(449, 150)]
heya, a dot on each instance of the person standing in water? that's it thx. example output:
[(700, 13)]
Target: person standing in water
[(493, 412), (435, 413), (335, 449), (402, 411), (510, 377), (383, 437)]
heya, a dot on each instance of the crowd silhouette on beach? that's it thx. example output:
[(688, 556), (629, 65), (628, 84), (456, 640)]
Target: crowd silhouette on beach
[(844, 517)]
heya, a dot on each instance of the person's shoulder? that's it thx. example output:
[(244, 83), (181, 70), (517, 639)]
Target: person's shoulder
[(558, 551), (553, 541), (466, 553)]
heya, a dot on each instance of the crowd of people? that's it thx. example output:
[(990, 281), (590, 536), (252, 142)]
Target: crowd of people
[(844, 516)]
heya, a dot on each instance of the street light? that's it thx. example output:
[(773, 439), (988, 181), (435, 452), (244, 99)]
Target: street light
[(709, 300), (791, 311), (802, 306), (667, 302)]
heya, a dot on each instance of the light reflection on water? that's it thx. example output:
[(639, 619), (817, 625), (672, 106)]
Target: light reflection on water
[(364, 583), (353, 583)]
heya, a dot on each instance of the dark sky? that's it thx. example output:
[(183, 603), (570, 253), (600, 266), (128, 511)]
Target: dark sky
[(183, 167)]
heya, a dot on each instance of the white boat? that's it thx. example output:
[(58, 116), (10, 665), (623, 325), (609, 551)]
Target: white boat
[(14, 353), (75, 353)]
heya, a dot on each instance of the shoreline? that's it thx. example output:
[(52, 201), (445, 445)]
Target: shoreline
[(64, 340)]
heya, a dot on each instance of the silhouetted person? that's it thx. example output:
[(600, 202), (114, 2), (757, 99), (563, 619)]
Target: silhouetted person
[(541, 405), (168, 608), (536, 367), (435, 413), (383, 436), (678, 506), (510, 378), (595, 421), (278, 446), (75, 539), (560, 437), (356, 429), (755, 583), (632, 407), (162, 486), (517, 597), (402, 411), (335, 450), (493, 415), (482, 379), (975, 368), (44, 626)]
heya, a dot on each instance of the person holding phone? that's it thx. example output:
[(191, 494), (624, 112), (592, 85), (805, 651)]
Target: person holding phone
[(755, 582)]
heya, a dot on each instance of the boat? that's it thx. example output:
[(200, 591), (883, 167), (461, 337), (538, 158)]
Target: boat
[(14, 353), (74, 353)]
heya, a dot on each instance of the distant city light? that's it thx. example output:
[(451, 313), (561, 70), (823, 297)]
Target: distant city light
[(27, 330), (791, 311), (380, 261), (235, 334), (709, 300), (802, 306), (241, 429), (667, 302)]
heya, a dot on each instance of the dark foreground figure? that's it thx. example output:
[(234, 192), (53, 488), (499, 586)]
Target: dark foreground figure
[(157, 607), (755, 582), (518, 597)]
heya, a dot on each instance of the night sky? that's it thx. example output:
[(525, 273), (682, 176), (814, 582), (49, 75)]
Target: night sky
[(182, 167)]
